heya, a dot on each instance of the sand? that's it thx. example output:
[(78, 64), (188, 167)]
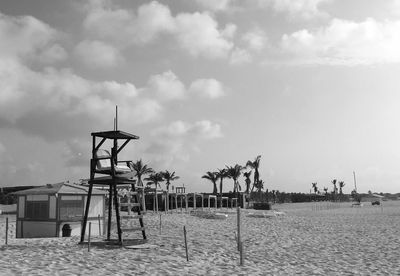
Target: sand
[(304, 239)]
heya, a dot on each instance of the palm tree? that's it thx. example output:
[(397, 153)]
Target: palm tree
[(341, 185), (140, 170), (234, 173), (168, 177), (155, 178), (326, 192), (334, 189), (273, 195), (221, 174), (248, 181), (212, 176), (255, 165), (260, 185), (314, 185)]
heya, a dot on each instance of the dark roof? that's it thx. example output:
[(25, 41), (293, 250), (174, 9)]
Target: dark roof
[(59, 188), (115, 134)]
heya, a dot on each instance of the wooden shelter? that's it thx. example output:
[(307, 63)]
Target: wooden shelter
[(106, 170), (44, 211)]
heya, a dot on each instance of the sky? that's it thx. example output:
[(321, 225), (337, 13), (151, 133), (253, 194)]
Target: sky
[(312, 86)]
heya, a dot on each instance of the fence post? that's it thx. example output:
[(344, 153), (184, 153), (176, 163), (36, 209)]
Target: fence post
[(6, 230), (238, 226), (90, 230), (241, 253), (99, 225), (160, 224), (184, 233)]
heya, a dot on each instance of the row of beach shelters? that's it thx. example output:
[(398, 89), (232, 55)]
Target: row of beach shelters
[(46, 211), (371, 197)]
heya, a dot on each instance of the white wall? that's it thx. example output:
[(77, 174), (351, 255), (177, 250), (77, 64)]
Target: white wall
[(38, 229), (21, 206), (96, 206), (37, 197), (76, 228), (53, 207)]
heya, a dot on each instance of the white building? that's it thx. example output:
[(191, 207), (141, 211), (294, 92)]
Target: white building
[(43, 211)]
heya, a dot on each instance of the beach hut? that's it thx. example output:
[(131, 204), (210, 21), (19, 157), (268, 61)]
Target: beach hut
[(56, 210)]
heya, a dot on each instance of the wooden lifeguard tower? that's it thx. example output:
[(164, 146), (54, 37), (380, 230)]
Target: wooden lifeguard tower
[(107, 170)]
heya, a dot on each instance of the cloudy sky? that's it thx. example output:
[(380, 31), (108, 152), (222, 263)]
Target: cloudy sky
[(311, 85)]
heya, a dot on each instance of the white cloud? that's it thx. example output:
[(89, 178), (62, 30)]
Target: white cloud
[(207, 130), (174, 129), (215, 5), (204, 129), (229, 31), (395, 7), (40, 102), (240, 56), (97, 54), (126, 27), (208, 88), (345, 42), (167, 86), (2, 148), (255, 39), (54, 53), (24, 36), (178, 140), (303, 9), (197, 33), (152, 19)]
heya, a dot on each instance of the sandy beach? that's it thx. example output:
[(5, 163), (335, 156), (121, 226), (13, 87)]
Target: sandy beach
[(308, 239)]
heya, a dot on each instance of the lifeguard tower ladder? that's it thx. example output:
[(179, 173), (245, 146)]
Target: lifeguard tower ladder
[(112, 175)]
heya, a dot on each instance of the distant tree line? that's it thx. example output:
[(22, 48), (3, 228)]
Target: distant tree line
[(6, 196)]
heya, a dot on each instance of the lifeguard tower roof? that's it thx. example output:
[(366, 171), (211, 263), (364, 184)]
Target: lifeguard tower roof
[(114, 134)]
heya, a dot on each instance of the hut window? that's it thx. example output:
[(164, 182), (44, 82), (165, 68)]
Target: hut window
[(37, 209), (70, 209)]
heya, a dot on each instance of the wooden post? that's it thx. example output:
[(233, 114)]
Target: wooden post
[(166, 203), (241, 253), (238, 226), (156, 200), (184, 233), (98, 217), (160, 224), (110, 199), (90, 231), (129, 202), (6, 230)]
